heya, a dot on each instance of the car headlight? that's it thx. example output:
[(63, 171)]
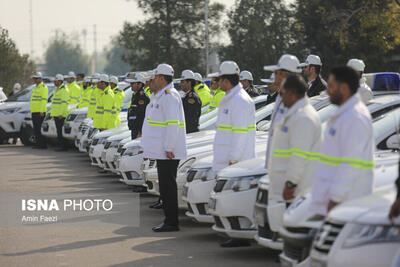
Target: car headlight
[(133, 151), (9, 110), (363, 234), (115, 143), (184, 168), (204, 174), (102, 140), (242, 183)]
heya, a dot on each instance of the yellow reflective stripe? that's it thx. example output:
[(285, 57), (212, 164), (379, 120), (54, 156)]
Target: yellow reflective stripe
[(165, 123), (230, 128), (329, 160)]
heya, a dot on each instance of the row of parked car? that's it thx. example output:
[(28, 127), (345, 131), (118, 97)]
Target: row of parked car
[(235, 200)]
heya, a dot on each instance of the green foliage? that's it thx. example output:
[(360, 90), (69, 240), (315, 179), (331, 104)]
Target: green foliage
[(115, 65), (173, 33), (14, 67), (63, 55)]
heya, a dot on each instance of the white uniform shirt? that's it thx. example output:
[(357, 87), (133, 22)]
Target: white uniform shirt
[(296, 136), (364, 91), (236, 130), (345, 170), (164, 125)]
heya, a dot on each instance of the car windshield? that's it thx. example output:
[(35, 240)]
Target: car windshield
[(24, 95)]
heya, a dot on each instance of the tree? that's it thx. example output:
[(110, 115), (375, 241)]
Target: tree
[(115, 65), (260, 32), (63, 55), (173, 33), (340, 30), (14, 67)]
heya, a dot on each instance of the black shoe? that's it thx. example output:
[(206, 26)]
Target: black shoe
[(165, 228), (155, 204), (61, 149), (233, 243), (159, 206)]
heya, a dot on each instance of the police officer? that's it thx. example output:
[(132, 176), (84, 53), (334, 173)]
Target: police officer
[(139, 102), (218, 94), (272, 89), (395, 209), (363, 91), (104, 109), (312, 69), (74, 89), (191, 102), (202, 89), (164, 139), (236, 129), (246, 79), (38, 104), (93, 96), (87, 90), (59, 110), (119, 96)]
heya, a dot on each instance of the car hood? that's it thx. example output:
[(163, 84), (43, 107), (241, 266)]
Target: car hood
[(245, 168), (112, 131), (83, 110), (9, 105), (372, 209), (120, 136)]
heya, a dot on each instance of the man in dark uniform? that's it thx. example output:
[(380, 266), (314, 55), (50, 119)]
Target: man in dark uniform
[(246, 79), (272, 89), (395, 210), (312, 69), (139, 101), (191, 102)]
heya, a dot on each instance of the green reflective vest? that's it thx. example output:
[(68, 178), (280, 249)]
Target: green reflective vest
[(147, 91), (86, 95), (93, 101), (119, 96), (74, 92), (59, 103), (39, 98), (218, 95), (104, 117), (204, 93)]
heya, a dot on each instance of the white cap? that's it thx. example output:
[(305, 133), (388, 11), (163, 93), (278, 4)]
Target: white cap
[(17, 86), (213, 75), (139, 78), (59, 77), (187, 75), (228, 68), (246, 75), (114, 79), (356, 64), (198, 77), (37, 75), (164, 69), (311, 60), (95, 77), (71, 74), (86, 79), (104, 78), (270, 80), (286, 62)]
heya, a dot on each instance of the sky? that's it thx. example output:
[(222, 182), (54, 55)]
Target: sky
[(71, 16)]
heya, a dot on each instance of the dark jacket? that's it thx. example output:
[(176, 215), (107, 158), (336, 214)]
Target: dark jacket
[(192, 108), (271, 98), (398, 183), (137, 110), (317, 86), (251, 91)]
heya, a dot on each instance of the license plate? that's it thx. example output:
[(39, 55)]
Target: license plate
[(212, 203), (185, 191)]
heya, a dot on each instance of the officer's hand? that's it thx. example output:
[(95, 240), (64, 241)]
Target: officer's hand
[(170, 155), (288, 193), (140, 135), (332, 204), (41, 114), (395, 209), (60, 117)]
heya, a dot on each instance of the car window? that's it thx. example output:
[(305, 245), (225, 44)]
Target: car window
[(386, 125)]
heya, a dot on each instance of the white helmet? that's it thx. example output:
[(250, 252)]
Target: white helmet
[(139, 78), (165, 69), (17, 86), (356, 64), (286, 62), (270, 80), (71, 74), (104, 78), (37, 75), (95, 77), (114, 79), (311, 60), (246, 75), (59, 77), (198, 77), (187, 75), (228, 68)]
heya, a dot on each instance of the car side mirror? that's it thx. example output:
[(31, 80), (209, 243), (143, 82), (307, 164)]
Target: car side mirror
[(393, 142)]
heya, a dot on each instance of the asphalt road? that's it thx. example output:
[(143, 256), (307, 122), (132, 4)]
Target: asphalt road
[(99, 242)]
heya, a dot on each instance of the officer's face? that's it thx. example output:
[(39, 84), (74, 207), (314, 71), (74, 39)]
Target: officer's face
[(57, 83), (70, 80), (288, 97), (306, 71), (245, 83), (112, 85), (334, 91), (37, 80), (214, 84), (280, 76)]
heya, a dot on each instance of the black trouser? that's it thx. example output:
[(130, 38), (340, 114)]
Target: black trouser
[(167, 170), (37, 127), (134, 134), (60, 139)]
